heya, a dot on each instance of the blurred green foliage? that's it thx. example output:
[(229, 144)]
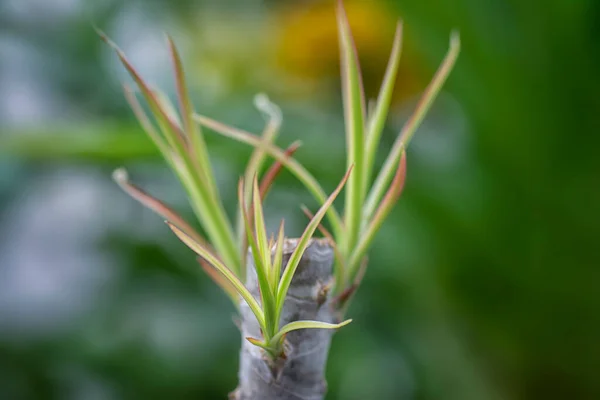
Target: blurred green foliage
[(483, 283)]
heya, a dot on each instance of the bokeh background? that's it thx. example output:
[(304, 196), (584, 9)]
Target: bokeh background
[(483, 284)]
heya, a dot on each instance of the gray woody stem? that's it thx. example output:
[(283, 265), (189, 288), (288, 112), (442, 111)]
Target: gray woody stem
[(300, 375)]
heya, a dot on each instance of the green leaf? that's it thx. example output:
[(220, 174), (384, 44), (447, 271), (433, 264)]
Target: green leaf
[(170, 113), (260, 229), (146, 123), (387, 171), (267, 292), (278, 257), (294, 260), (211, 215), (293, 326), (227, 273), (198, 147), (381, 108), (354, 114)]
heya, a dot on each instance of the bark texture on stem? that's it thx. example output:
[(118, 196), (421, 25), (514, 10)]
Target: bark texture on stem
[(300, 375)]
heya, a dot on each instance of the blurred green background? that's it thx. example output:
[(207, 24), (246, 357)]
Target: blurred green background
[(483, 283)]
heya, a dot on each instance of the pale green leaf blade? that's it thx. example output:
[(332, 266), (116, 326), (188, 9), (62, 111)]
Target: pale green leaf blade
[(198, 147), (354, 116), (278, 257), (380, 110), (169, 110), (185, 106), (260, 228), (145, 122), (211, 215), (267, 292), (293, 326), (257, 251)]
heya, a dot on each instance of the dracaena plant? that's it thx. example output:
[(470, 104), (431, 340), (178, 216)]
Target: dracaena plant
[(290, 293), (368, 198)]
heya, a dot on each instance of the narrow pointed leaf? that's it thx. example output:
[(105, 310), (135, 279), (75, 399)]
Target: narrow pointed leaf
[(296, 255), (251, 238), (168, 120), (267, 292), (145, 122), (354, 115), (211, 214), (194, 134), (407, 132), (321, 228), (227, 273), (278, 258), (169, 111), (260, 229), (293, 326), (381, 108)]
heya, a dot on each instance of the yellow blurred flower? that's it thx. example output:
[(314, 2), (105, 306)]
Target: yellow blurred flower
[(307, 45)]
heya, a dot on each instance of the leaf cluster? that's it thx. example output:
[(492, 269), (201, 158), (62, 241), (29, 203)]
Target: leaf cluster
[(178, 134)]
